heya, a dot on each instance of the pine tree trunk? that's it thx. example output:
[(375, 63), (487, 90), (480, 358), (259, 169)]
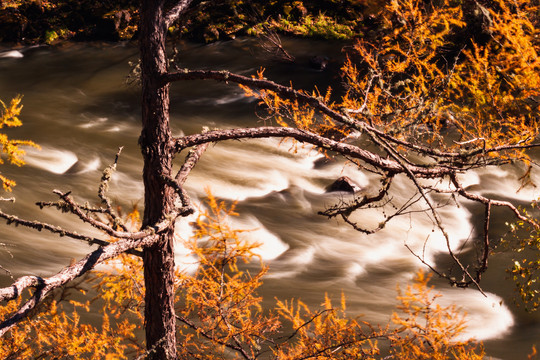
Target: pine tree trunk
[(159, 200)]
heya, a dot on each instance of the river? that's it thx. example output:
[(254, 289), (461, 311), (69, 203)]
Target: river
[(78, 107)]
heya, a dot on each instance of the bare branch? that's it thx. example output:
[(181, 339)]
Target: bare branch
[(76, 209), (177, 183), (176, 11), (483, 261), (387, 165), (44, 286), (438, 221), (37, 225), (481, 199), (285, 91), (104, 187), (318, 104), (191, 159), (271, 42), (346, 209)]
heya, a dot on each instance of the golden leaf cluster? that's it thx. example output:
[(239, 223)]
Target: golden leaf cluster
[(10, 149), (428, 330), (495, 90), (57, 333)]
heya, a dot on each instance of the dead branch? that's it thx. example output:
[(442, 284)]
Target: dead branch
[(177, 10), (44, 286), (438, 221), (270, 42), (39, 226), (191, 159), (388, 165), (104, 187), (318, 104), (76, 209), (481, 199)]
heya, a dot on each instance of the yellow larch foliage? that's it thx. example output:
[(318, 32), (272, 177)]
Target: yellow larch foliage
[(293, 113), (427, 330), (395, 81), (326, 334), (10, 149), (219, 309), (425, 77), (55, 333), (496, 90)]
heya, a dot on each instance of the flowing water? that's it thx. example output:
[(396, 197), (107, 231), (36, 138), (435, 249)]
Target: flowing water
[(78, 107)]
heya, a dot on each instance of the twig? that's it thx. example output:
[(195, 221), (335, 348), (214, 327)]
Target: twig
[(157, 228), (177, 10), (395, 155), (39, 226), (104, 187)]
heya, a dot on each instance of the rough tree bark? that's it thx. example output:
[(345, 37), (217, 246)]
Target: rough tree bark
[(159, 197)]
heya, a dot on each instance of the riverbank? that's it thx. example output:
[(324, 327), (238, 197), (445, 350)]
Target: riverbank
[(47, 22)]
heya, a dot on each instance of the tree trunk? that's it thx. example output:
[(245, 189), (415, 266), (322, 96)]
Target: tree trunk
[(159, 198)]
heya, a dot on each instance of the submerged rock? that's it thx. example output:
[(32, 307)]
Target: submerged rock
[(344, 184), (319, 62)]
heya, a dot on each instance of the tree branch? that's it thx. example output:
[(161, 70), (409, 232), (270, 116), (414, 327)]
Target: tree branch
[(44, 286), (212, 338), (191, 159), (318, 103), (438, 221), (285, 91), (104, 187), (37, 225), (387, 165), (75, 209), (174, 13)]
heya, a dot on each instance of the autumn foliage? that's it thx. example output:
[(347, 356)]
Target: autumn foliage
[(220, 313), (425, 86), (11, 149), (427, 76)]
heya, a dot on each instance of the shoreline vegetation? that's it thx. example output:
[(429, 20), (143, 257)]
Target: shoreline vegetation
[(31, 22)]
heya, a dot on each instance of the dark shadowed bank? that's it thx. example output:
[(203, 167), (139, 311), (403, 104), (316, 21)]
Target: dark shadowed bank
[(40, 21)]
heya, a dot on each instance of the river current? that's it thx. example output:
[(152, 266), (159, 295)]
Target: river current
[(78, 107)]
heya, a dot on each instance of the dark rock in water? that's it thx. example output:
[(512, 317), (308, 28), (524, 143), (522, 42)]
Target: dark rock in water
[(323, 162), (344, 184), (319, 62)]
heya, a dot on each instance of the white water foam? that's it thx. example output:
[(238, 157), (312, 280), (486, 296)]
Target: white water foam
[(486, 317), (90, 122), (270, 246), (50, 159), (237, 173), (13, 54), (296, 261), (81, 167), (506, 181)]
